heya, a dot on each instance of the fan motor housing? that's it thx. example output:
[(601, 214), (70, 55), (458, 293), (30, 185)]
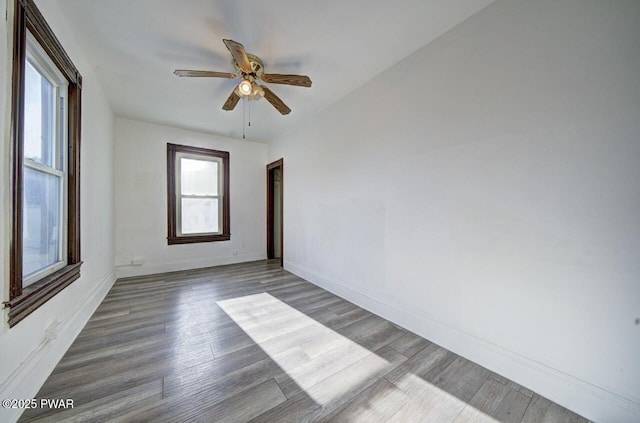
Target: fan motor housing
[(256, 64)]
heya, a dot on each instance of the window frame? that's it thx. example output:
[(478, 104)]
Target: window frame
[(174, 153), (43, 64), (180, 195), (25, 300)]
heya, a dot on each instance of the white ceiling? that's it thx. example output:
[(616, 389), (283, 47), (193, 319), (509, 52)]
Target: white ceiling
[(134, 46)]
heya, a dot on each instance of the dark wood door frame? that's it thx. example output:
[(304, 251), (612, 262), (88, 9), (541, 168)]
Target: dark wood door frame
[(271, 167)]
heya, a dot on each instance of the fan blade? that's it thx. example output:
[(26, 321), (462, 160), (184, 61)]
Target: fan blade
[(297, 80), (275, 101), (201, 73), (240, 56), (231, 102)]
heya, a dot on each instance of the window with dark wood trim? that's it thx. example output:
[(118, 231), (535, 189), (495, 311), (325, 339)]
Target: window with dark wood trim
[(197, 195), (29, 291)]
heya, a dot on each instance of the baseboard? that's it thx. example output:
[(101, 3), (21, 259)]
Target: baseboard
[(589, 400), (128, 271), (25, 381)]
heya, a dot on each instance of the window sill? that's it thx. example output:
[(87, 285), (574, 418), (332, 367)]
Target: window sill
[(40, 292), (197, 238)]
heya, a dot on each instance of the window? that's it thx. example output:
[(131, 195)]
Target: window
[(45, 143), (198, 194), (44, 162)]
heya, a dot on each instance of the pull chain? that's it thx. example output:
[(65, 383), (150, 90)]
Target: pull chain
[(244, 106)]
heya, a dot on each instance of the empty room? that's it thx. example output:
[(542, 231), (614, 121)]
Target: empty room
[(337, 211)]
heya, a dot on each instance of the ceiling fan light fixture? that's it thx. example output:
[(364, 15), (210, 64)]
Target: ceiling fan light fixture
[(256, 93), (244, 88), (250, 69)]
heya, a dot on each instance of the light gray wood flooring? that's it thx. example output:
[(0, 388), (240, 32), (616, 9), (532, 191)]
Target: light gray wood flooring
[(252, 342)]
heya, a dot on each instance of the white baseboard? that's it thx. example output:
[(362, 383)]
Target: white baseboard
[(25, 381), (128, 271), (589, 400)]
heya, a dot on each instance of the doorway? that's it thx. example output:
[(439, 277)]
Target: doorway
[(275, 179)]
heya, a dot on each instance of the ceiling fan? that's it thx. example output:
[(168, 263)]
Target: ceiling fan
[(250, 69)]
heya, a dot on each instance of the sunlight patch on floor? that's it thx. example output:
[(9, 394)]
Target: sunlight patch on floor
[(431, 403), (269, 322), (335, 366)]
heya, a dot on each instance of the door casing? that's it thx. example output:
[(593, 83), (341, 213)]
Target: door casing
[(271, 167)]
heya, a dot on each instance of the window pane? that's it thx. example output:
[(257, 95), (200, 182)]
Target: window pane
[(39, 112), (199, 215), (41, 221), (198, 177)]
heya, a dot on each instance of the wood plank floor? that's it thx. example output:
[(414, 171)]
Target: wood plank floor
[(252, 342)]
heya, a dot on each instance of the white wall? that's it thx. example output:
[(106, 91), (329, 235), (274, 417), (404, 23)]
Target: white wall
[(141, 200), (485, 193), (27, 360)]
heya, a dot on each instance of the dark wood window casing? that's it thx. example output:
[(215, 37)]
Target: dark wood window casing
[(172, 223), (23, 301)]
